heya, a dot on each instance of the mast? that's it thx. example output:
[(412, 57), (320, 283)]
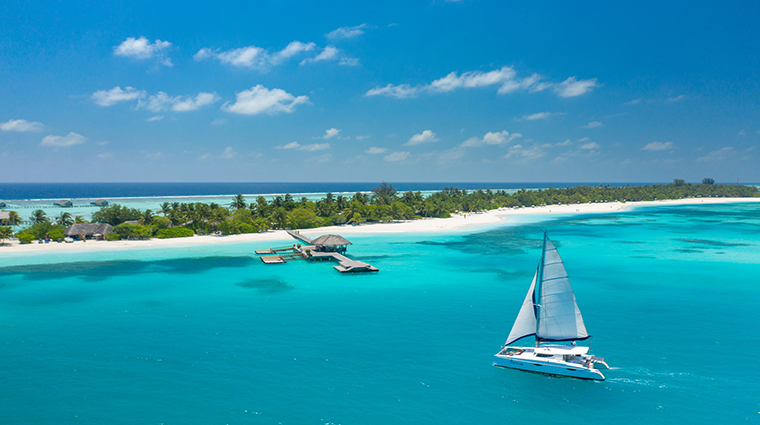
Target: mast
[(538, 290)]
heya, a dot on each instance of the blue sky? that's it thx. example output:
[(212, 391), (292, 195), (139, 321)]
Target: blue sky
[(396, 91)]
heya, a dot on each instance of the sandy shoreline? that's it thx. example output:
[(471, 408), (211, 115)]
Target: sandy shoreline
[(455, 223)]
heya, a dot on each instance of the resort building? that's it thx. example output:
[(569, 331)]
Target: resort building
[(64, 203), (331, 243), (2, 204), (89, 230), (100, 203)]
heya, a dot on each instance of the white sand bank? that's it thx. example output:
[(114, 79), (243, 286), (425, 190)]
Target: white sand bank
[(456, 222)]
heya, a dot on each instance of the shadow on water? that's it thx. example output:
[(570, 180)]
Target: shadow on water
[(102, 270), (712, 243), (267, 285)]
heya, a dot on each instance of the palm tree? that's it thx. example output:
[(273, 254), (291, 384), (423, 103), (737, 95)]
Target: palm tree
[(5, 233), (64, 219), (79, 219), (13, 219), (238, 202), (146, 218), (38, 216), (165, 208)]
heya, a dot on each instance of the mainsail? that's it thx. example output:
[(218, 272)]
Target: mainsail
[(559, 317), (525, 325)]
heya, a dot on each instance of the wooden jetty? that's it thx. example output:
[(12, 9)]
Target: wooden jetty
[(326, 247)]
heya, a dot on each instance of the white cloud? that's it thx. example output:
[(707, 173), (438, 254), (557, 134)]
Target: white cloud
[(572, 87), (291, 145), (321, 158), (328, 53), (21, 126), (116, 94), (742, 133), (397, 156), (521, 152), (155, 118), (346, 32), (633, 102), (676, 98), (228, 153), (259, 100), (347, 61), (590, 146), (567, 142), (505, 78), (107, 155), (315, 147), (329, 133), (254, 57), (312, 148), (426, 136), (402, 91), (718, 155), (592, 124), (191, 104), (155, 156), (491, 138), (362, 137), (375, 151), (70, 139), (141, 48), (219, 121), (451, 154), (540, 116), (658, 146)]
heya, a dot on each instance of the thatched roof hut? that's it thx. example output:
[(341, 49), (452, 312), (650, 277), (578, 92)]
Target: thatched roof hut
[(2, 204), (100, 203), (65, 203), (88, 229), (331, 243)]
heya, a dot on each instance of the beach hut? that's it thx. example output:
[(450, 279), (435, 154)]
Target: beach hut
[(331, 243), (100, 203), (89, 230), (2, 204), (65, 203)]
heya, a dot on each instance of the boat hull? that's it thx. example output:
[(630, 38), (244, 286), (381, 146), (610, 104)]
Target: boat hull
[(548, 368)]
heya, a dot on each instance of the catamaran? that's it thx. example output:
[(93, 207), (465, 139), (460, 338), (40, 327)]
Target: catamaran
[(550, 314)]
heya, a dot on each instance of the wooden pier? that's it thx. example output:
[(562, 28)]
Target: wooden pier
[(327, 247)]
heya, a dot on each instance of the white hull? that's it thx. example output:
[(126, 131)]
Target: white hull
[(551, 361)]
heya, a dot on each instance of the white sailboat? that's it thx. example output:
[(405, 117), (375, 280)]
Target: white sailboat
[(550, 314)]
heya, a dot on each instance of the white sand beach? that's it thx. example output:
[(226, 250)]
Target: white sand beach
[(457, 222)]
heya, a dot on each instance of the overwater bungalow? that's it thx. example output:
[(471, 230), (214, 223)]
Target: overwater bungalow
[(64, 203), (2, 204), (100, 203), (331, 243), (89, 230)]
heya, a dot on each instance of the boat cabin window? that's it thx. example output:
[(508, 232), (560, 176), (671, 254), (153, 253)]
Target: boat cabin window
[(544, 355)]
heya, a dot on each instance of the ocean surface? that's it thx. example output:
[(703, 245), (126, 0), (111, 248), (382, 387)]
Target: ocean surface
[(210, 335)]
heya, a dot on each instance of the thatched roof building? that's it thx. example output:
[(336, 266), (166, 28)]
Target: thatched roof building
[(89, 230), (65, 203), (100, 203), (331, 243), (2, 204)]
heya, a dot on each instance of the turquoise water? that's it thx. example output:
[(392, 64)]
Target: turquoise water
[(211, 335)]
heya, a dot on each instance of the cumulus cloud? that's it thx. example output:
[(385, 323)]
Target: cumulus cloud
[(426, 136), (254, 57), (141, 49), (329, 133), (572, 87), (504, 78), (312, 148), (658, 146), (116, 95), (347, 61), (402, 91), (70, 139), (719, 155), (346, 32), (162, 101), (219, 121), (397, 156), (21, 126), (327, 54), (590, 146), (525, 153), (228, 153), (155, 118), (490, 138), (633, 102), (376, 151), (260, 100), (592, 124), (540, 116)]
